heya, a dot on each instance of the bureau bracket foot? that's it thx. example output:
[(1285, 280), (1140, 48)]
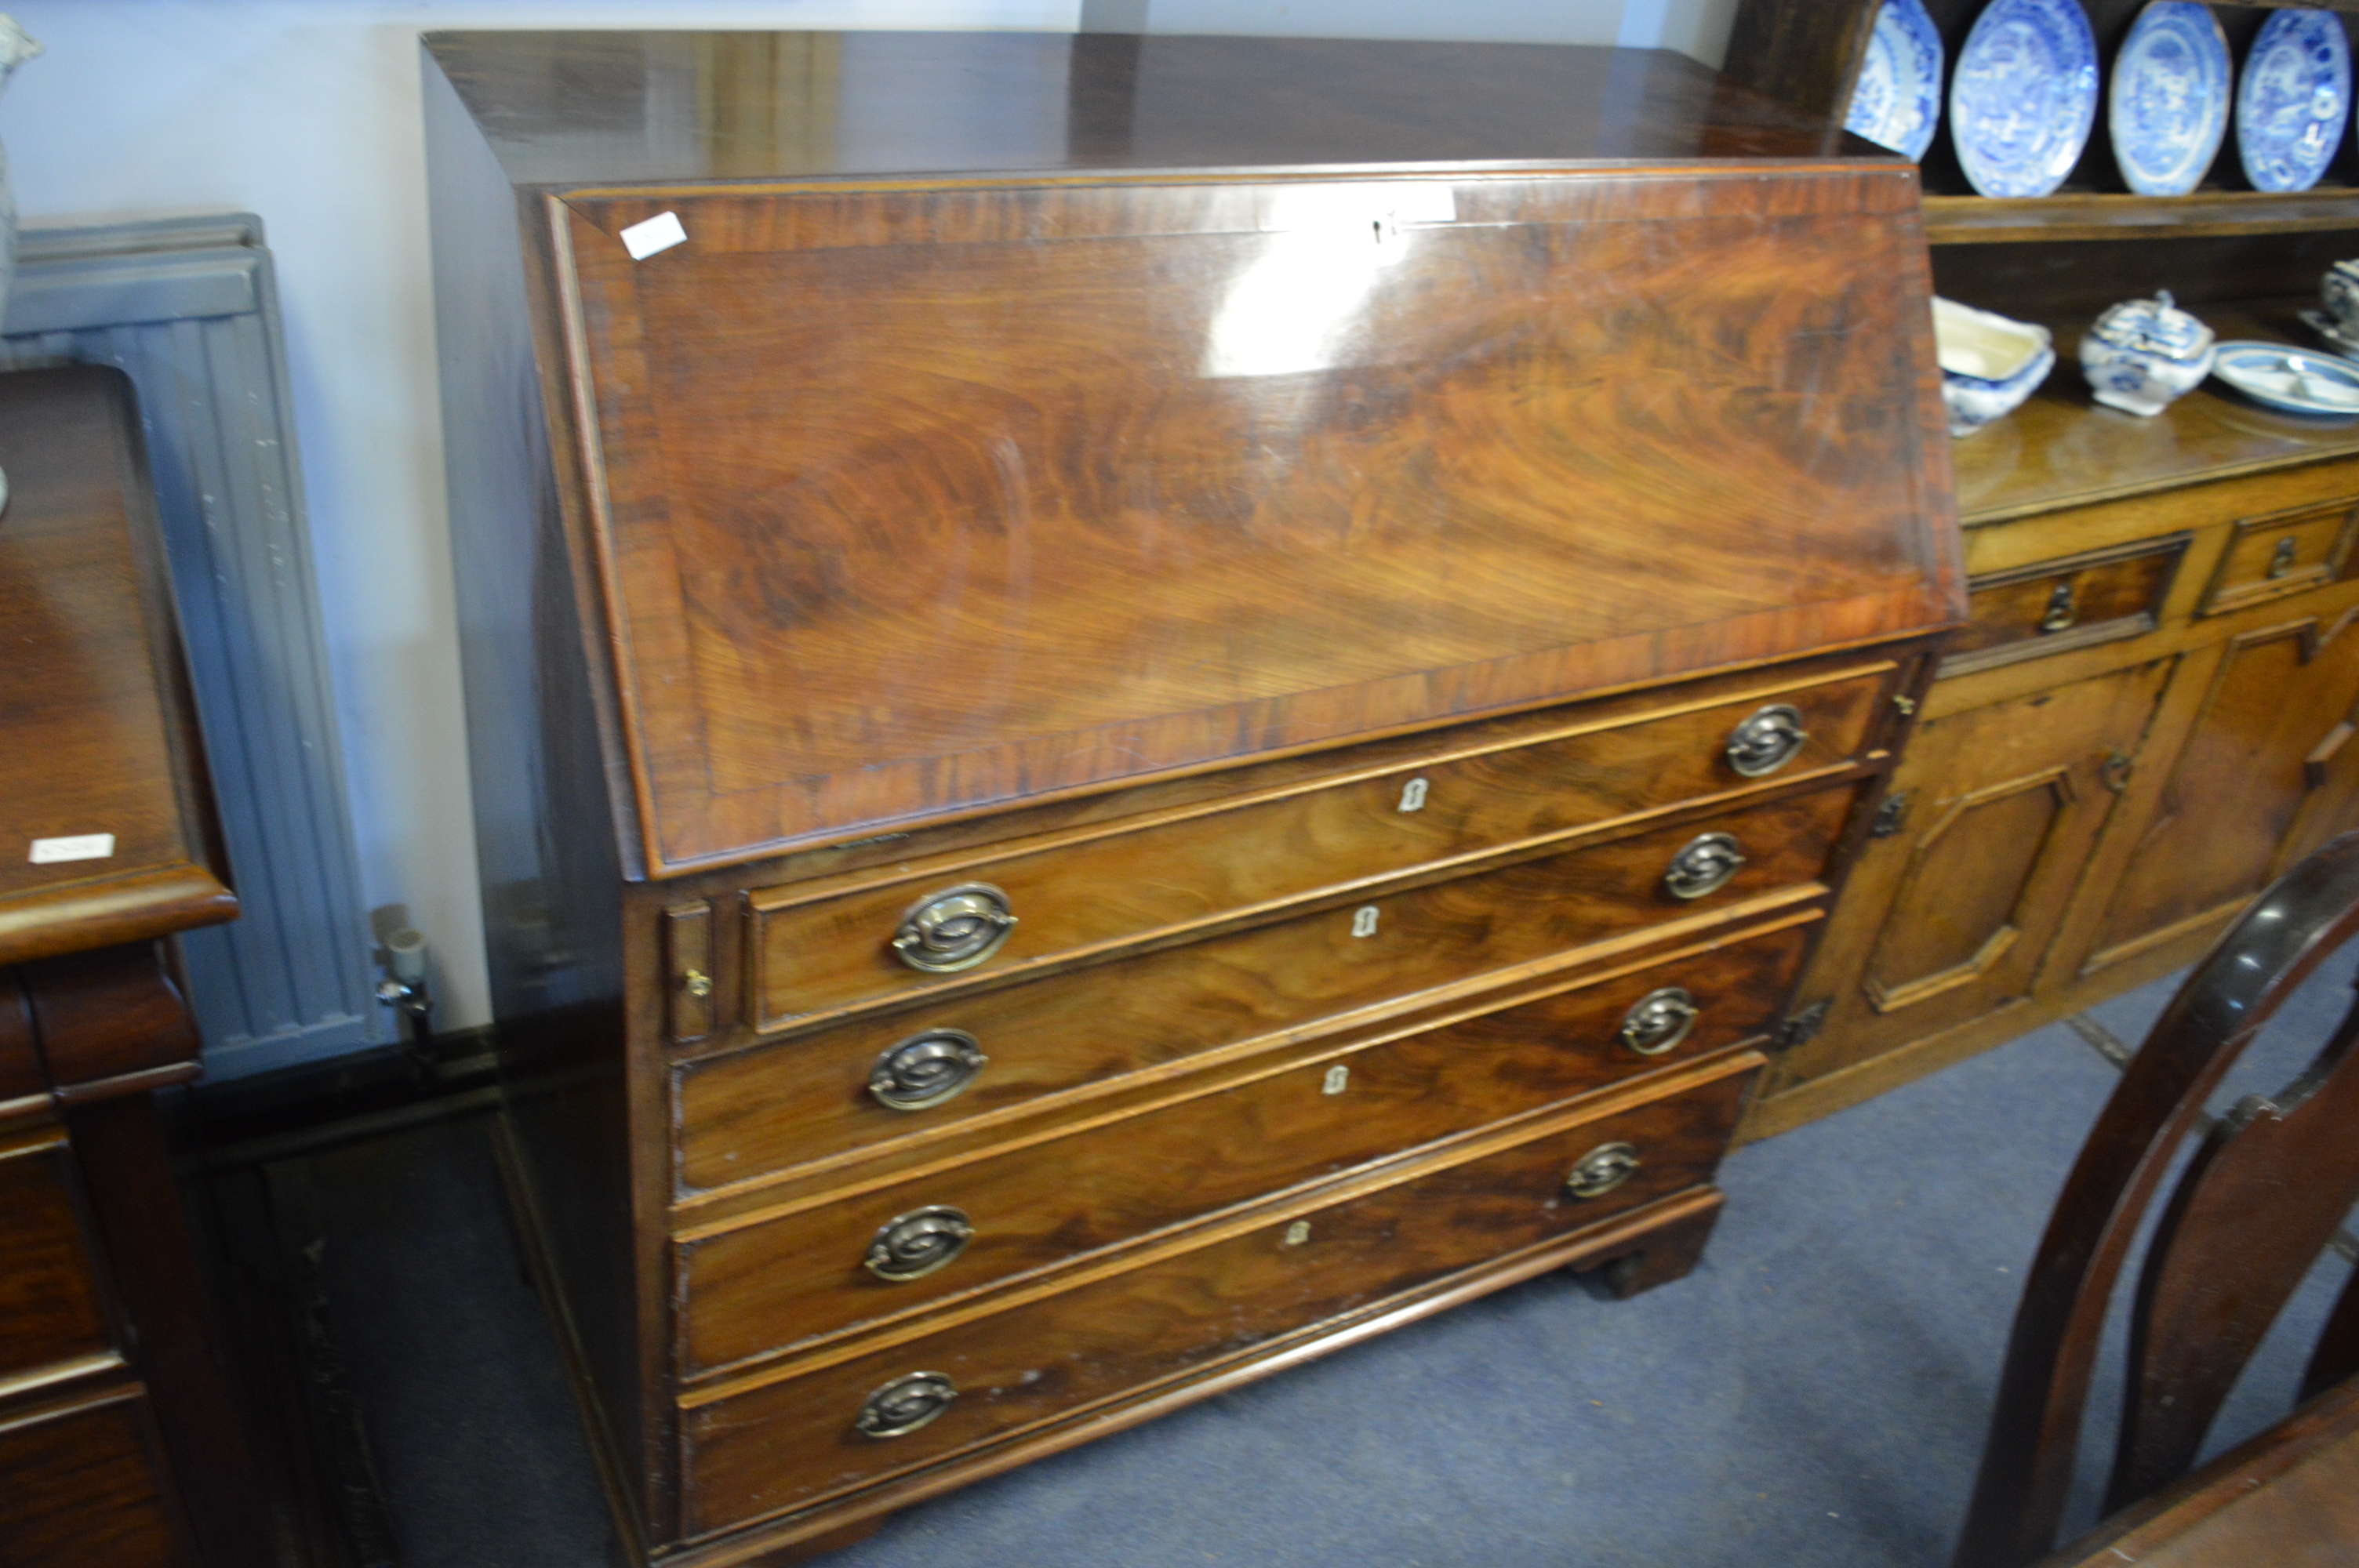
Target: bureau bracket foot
[(1665, 1253)]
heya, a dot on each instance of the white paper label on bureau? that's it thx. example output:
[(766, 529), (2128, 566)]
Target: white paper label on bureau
[(660, 233), (80, 847), (1363, 921)]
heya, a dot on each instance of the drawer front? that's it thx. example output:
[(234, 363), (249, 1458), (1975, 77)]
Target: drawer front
[(49, 1305), (814, 954), (85, 1488), (776, 1282), (2283, 553), (761, 1112), (1165, 1311), (2053, 606)]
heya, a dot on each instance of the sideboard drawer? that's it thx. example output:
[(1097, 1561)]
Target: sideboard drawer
[(758, 1111), (51, 1311), (805, 1272), (763, 1446), (2282, 552), (817, 950), (2052, 606)]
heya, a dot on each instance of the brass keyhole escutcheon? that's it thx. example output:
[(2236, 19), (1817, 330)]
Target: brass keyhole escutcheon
[(954, 929), (2060, 613), (697, 983), (1659, 1020), (1601, 1170)]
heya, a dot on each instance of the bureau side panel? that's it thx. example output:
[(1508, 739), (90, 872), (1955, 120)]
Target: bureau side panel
[(550, 859)]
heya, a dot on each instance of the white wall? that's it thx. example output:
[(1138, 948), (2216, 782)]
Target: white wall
[(306, 112)]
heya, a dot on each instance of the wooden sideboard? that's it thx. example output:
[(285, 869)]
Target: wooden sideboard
[(1140, 706), (2148, 717), (119, 1441)]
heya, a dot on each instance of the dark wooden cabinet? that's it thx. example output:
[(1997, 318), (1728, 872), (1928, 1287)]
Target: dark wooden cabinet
[(1140, 706), (2160, 613), (119, 1441)]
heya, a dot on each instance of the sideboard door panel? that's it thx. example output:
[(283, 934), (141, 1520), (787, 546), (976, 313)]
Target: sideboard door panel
[(2240, 784), (1950, 914)]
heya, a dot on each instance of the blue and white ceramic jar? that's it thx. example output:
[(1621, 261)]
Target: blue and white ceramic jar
[(2339, 289), (1989, 363), (2144, 353)]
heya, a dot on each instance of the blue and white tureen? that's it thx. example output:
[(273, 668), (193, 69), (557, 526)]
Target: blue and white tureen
[(2144, 353), (1989, 363)]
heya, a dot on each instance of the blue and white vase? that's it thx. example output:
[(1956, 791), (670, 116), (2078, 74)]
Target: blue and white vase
[(2144, 353)]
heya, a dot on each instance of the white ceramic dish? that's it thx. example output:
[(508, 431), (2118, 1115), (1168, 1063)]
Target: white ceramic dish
[(2294, 381), (1989, 362), (2166, 108), (2024, 95)]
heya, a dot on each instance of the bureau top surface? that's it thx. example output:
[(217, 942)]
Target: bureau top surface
[(576, 107), (101, 837)]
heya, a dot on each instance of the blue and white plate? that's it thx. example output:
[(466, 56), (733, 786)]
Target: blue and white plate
[(2294, 97), (2024, 96), (2293, 380), (2167, 109), (1897, 100)]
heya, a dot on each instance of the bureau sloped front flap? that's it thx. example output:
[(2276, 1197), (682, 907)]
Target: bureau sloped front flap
[(911, 502)]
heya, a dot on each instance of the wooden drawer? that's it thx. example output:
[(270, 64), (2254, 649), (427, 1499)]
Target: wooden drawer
[(1163, 1312), (760, 1111), (2284, 552), (820, 948), (84, 1488), (51, 1311), (2053, 606), (801, 1274)]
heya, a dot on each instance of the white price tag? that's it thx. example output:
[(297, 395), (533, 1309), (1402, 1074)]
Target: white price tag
[(80, 847), (660, 233)]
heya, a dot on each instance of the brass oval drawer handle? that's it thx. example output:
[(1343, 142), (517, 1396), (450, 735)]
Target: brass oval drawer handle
[(1601, 1170), (926, 1069), (911, 1246), (904, 1405), (1703, 865), (1659, 1020), (2281, 559), (954, 929), (1767, 741)]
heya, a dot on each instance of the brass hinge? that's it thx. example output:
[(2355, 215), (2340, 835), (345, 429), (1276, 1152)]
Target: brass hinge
[(1803, 1026)]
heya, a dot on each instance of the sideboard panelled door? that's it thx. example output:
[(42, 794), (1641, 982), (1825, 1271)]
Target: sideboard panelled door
[(1956, 897)]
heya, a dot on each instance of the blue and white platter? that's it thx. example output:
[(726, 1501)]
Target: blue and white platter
[(2291, 380), (1898, 99), (2293, 99), (2024, 95), (2168, 108)]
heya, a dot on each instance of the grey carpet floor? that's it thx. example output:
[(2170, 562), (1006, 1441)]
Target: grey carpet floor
[(1814, 1394)]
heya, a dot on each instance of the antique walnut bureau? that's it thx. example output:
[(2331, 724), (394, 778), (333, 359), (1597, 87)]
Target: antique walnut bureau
[(1141, 706)]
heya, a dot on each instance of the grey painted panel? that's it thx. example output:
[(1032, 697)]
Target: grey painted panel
[(188, 308)]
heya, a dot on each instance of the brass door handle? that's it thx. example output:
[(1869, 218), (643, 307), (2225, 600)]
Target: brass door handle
[(1704, 865), (1766, 740), (954, 929), (904, 1405), (1601, 1170), (1659, 1021), (926, 1069), (911, 1246)]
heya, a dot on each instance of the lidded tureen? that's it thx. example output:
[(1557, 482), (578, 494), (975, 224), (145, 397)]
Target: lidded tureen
[(2144, 353)]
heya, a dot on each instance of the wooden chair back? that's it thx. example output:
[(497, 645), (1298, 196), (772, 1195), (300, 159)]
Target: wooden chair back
[(2260, 1199)]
